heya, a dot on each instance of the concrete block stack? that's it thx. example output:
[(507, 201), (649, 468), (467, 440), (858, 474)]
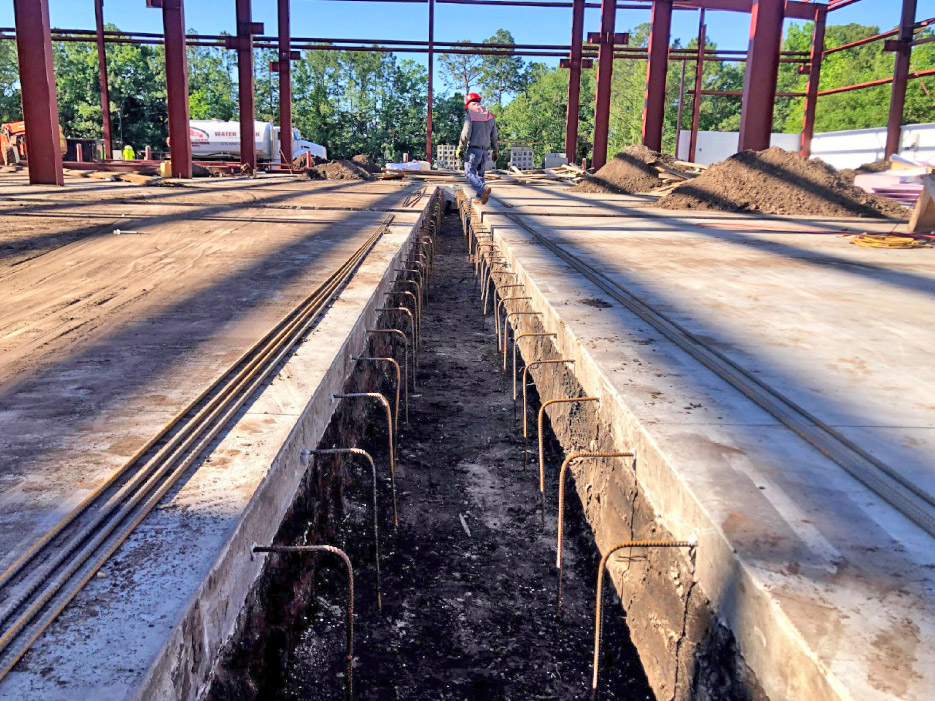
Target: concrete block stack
[(521, 157)]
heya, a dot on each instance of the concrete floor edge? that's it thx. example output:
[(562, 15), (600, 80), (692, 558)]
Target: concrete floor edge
[(184, 665)]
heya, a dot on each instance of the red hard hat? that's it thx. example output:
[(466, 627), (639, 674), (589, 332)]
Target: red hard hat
[(471, 97)]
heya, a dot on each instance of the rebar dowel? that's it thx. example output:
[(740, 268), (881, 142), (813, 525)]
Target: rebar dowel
[(506, 323), (516, 340), (399, 381), (405, 349), (492, 282), (561, 507), (499, 290), (413, 329), (490, 266), (500, 306), (376, 527), (389, 426), (541, 440), (349, 679), (600, 587), (416, 310), (526, 370), (418, 294), (416, 271)]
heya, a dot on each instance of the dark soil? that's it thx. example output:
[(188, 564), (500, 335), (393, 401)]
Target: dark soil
[(778, 182), (338, 170), (629, 172), (364, 162), (465, 615)]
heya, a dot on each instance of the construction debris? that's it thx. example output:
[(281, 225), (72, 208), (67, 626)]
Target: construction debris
[(364, 162), (634, 170), (775, 181), (338, 170)]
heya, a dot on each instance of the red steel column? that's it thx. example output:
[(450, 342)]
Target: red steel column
[(605, 71), (245, 89), (654, 104), (696, 99), (574, 81), (678, 119), (900, 78), (102, 70), (428, 114), (285, 82), (814, 76), (759, 89), (180, 142), (37, 83)]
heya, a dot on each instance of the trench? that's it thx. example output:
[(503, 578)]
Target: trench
[(468, 578)]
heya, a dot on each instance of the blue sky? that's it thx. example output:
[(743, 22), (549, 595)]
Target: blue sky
[(375, 20)]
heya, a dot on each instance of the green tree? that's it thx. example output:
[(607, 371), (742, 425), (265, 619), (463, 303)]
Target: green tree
[(461, 70), (501, 75)]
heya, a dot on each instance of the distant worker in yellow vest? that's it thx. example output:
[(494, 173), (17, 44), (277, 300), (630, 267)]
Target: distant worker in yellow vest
[(128, 153)]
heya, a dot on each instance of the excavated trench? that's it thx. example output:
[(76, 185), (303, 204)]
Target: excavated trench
[(468, 578)]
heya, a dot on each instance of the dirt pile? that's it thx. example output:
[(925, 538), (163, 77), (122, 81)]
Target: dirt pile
[(338, 170), (364, 162), (629, 172), (778, 182)]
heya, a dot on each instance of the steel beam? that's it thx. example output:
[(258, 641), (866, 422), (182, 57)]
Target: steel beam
[(900, 78), (654, 104), (245, 87), (814, 76), (605, 71), (428, 114), (285, 83), (574, 82), (678, 119), (37, 85), (696, 98), (102, 71), (756, 113), (180, 142)]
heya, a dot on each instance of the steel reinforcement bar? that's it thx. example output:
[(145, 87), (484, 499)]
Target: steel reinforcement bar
[(895, 489), (41, 583)]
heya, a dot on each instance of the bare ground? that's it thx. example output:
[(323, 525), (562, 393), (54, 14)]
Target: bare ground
[(465, 615)]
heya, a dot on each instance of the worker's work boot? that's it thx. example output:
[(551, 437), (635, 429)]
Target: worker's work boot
[(485, 195)]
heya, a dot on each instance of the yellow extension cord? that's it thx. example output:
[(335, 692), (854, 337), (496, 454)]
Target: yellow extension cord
[(888, 241)]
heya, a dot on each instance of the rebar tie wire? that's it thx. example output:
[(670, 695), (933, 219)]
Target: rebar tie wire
[(500, 306), (399, 381), (376, 527), (405, 350), (506, 325), (282, 549), (561, 506), (389, 425), (692, 543), (541, 440), (526, 370)]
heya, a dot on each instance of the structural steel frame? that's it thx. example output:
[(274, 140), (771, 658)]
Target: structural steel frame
[(762, 57)]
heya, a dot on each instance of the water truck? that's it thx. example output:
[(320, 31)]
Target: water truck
[(216, 139)]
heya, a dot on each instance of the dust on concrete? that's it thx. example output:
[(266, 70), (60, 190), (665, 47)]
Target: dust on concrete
[(468, 609), (775, 181)]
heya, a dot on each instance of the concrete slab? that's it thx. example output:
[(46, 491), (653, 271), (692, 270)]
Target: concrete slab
[(112, 335), (829, 592)]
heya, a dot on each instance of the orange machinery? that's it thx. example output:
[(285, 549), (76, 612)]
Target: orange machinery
[(13, 142)]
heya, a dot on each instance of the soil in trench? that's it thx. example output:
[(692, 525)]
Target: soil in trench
[(468, 609)]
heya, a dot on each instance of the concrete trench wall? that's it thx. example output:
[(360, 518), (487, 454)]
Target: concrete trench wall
[(213, 625), (687, 652)]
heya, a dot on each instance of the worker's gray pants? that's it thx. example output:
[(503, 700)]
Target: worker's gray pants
[(474, 167)]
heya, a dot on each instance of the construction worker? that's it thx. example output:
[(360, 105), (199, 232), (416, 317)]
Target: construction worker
[(128, 153), (478, 135)]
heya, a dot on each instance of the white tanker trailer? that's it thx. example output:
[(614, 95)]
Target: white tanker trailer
[(213, 138)]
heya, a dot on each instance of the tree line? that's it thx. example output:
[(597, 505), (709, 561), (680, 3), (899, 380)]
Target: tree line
[(375, 103)]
